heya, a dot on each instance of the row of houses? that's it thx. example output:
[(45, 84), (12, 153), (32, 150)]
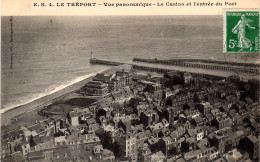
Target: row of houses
[(146, 119)]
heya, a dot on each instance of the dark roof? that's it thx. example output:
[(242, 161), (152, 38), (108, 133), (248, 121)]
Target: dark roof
[(252, 138)]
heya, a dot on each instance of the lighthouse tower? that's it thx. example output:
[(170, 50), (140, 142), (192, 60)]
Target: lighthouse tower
[(91, 55)]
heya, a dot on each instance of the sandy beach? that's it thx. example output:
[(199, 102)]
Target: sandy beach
[(7, 115)]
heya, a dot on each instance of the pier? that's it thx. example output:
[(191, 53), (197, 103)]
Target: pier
[(196, 69), (104, 62), (197, 60), (207, 64)]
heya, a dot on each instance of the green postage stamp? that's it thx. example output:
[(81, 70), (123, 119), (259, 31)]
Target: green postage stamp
[(241, 31)]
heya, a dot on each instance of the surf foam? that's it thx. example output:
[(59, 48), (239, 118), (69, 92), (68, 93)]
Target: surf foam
[(50, 90)]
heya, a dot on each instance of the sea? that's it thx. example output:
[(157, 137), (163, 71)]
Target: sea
[(50, 53)]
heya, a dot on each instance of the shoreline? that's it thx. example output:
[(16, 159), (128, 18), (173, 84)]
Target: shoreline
[(8, 114)]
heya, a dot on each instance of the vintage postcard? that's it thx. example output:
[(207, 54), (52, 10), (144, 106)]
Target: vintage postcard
[(130, 80)]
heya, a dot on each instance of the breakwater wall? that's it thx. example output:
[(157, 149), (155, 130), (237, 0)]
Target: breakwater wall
[(105, 62), (197, 60), (216, 65), (154, 69), (161, 70)]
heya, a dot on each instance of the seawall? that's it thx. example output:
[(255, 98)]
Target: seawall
[(206, 64), (169, 61), (105, 62)]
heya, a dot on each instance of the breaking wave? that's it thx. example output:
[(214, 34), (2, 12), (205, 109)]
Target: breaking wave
[(50, 90)]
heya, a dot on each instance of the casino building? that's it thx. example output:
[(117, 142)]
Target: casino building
[(115, 81), (95, 88)]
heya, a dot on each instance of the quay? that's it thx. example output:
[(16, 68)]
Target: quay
[(104, 62), (169, 61), (207, 64), (199, 70)]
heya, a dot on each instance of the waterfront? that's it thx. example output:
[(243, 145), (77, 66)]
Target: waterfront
[(199, 69), (35, 105), (126, 115), (49, 55)]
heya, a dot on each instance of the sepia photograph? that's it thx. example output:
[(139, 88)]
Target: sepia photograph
[(158, 88)]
